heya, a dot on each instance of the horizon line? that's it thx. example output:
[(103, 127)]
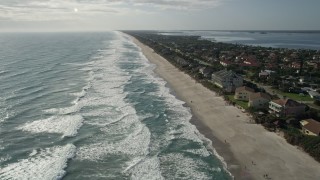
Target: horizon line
[(221, 30)]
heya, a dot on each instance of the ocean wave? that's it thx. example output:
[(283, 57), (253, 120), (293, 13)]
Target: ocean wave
[(178, 166), (144, 168), (5, 117), (66, 125), (20, 73), (86, 64), (63, 111), (107, 117), (48, 163), (27, 92), (4, 158), (44, 71), (80, 95), (3, 72), (135, 144)]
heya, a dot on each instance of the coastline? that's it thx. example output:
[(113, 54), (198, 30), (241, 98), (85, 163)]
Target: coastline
[(248, 149)]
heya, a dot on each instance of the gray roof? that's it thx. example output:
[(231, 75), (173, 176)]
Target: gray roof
[(226, 74)]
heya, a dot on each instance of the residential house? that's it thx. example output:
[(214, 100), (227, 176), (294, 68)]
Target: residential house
[(265, 74), (314, 94), (250, 63), (273, 56), (310, 127), (243, 93), (228, 80), (182, 62), (226, 63), (286, 107), (206, 72), (295, 65), (312, 64), (259, 100)]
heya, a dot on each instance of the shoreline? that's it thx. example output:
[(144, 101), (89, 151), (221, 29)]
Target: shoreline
[(220, 149), (249, 150)]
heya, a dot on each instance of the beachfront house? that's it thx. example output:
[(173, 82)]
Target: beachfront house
[(310, 127), (181, 62), (227, 80), (206, 72), (265, 74), (259, 100), (286, 107), (243, 93)]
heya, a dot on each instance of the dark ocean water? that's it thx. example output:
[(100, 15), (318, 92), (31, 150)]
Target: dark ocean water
[(88, 106), (275, 39)]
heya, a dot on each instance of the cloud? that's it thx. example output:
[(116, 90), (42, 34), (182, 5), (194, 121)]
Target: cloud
[(180, 4), (46, 10)]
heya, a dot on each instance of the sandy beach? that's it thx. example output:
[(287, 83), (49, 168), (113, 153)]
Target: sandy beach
[(249, 150)]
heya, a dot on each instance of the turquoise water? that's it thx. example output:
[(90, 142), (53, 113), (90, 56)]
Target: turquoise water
[(88, 106)]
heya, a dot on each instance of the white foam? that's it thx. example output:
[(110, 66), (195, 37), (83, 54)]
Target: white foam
[(79, 94), (148, 168), (202, 152), (135, 144), (2, 119), (48, 163), (65, 125), (63, 111), (109, 118), (34, 152), (182, 167), (4, 158)]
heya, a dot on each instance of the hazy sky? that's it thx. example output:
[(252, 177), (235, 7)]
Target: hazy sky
[(88, 15)]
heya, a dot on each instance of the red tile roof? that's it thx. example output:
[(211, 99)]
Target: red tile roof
[(287, 102), (281, 102)]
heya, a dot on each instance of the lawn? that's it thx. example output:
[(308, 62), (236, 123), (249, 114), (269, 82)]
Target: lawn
[(294, 96), (243, 104)]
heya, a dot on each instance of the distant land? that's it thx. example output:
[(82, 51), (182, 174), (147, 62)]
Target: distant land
[(291, 39), (255, 31)]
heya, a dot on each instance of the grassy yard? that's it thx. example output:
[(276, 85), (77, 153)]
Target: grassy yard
[(243, 104), (294, 96)]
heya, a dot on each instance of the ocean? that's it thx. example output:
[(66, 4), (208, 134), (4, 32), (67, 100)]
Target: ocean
[(89, 106), (274, 39)]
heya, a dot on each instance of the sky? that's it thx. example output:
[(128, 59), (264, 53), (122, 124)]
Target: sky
[(101, 15)]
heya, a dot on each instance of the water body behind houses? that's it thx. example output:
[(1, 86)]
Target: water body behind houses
[(275, 39)]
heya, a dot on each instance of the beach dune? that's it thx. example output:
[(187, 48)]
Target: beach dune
[(250, 151)]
